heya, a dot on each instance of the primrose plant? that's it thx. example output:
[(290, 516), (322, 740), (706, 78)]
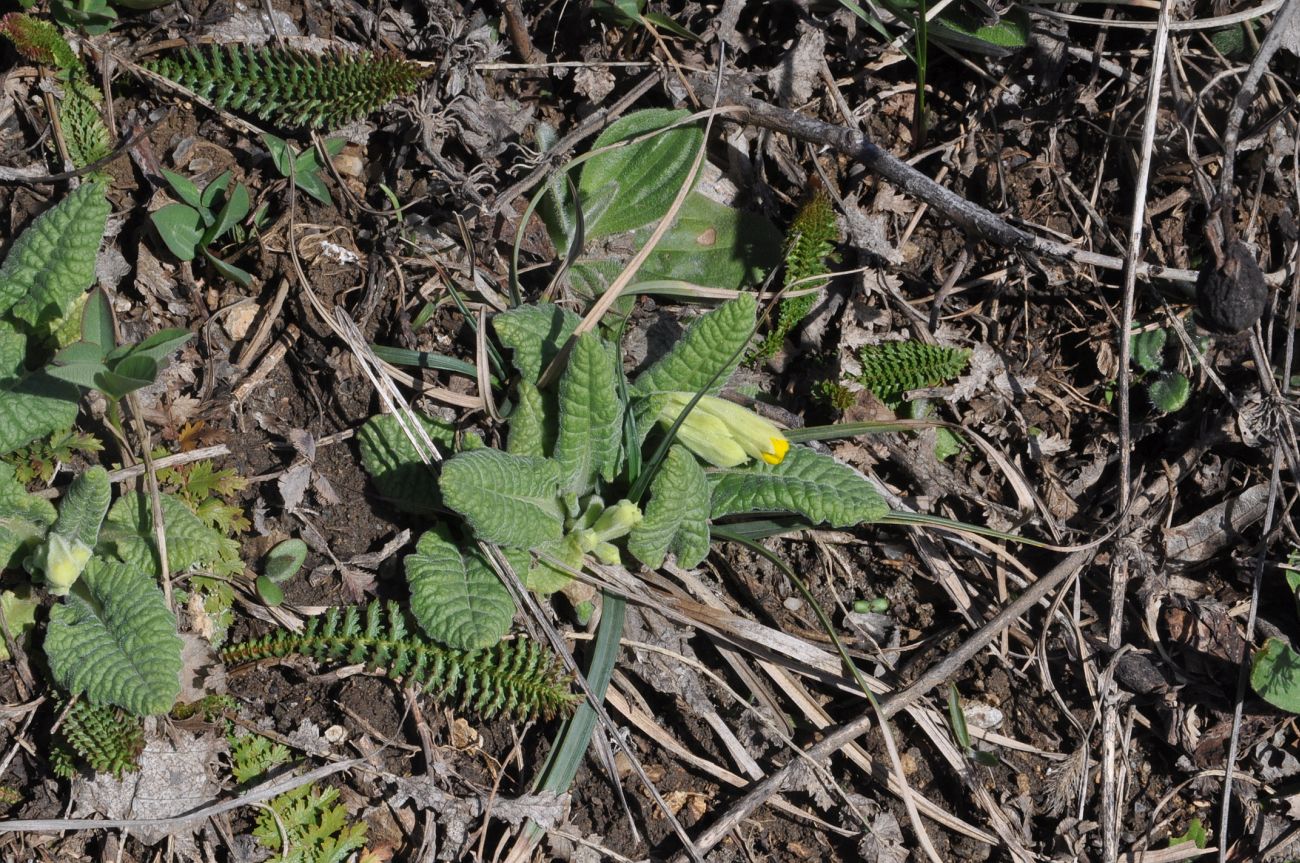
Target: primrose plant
[(564, 492), (111, 637)]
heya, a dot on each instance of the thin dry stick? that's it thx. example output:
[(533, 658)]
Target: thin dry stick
[(1119, 577), (970, 217)]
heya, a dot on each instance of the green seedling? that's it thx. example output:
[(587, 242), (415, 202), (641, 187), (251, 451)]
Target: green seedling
[(305, 167), (631, 13), (282, 563), (96, 361), (191, 227), (961, 733), (1168, 389)]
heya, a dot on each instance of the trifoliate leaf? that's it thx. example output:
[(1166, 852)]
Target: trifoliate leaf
[(806, 483), (535, 333), (456, 598), (677, 516), (591, 416), (507, 499), (114, 639)]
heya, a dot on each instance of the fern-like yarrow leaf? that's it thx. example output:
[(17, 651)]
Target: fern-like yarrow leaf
[(107, 739), (890, 369), (809, 242), (290, 87), (805, 483), (114, 639), (515, 678)]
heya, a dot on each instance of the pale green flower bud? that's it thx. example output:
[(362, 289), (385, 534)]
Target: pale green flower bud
[(617, 521), (64, 561), (722, 433)]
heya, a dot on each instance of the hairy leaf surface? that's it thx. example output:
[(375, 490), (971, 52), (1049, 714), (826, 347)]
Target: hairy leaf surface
[(633, 185), (807, 483), (114, 639), (714, 342), (396, 467), (83, 507), (456, 598), (531, 431), (53, 261), (507, 499), (591, 416), (677, 516), (34, 406), (23, 519), (129, 527), (535, 333)]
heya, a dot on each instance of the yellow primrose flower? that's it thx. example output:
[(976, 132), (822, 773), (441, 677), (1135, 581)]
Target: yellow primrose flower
[(723, 433)]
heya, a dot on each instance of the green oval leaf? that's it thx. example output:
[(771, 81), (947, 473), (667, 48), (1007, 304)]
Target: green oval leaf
[(181, 229), (507, 499), (1275, 675), (396, 468), (807, 483), (456, 598), (285, 560), (114, 639), (637, 182)]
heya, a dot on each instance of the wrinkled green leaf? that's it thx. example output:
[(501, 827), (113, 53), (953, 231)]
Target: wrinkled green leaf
[(806, 483), (34, 406), (531, 431), (591, 416), (714, 342), (677, 515), (23, 519), (535, 333), (53, 261), (129, 531), (507, 499), (457, 598), (114, 639), (394, 465), (82, 509), (636, 183)]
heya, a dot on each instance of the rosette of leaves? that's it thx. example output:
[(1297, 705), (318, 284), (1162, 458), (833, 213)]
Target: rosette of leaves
[(543, 500), (1167, 388), (202, 218), (290, 87)]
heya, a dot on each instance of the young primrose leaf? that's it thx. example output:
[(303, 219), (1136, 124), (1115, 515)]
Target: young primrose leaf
[(1275, 675), (115, 640), (507, 499), (807, 483), (591, 416), (677, 516), (714, 342), (456, 598)]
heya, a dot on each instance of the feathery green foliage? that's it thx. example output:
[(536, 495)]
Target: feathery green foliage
[(252, 755), (315, 824), (106, 738), (39, 459), (38, 41), (83, 128), (289, 86), (517, 678), (890, 369), (809, 242)]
